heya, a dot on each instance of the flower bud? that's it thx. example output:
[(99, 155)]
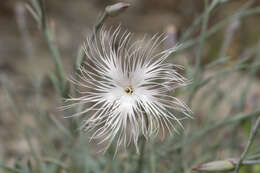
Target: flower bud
[(116, 9), (220, 165)]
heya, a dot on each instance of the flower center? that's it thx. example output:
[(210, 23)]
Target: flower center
[(129, 90)]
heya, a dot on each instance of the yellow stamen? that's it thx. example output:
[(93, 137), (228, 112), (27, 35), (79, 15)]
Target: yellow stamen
[(129, 90)]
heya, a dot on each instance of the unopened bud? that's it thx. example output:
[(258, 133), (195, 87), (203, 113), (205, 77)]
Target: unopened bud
[(116, 9), (221, 166), (171, 32)]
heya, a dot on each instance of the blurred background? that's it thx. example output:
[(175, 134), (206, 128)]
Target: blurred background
[(223, 52)]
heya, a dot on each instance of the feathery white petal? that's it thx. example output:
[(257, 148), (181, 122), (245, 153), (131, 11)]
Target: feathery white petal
[(125, 88)]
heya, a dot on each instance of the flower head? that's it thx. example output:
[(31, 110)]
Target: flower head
[(126, 88)]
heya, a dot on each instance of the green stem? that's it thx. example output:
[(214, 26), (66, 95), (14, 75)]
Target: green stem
[(43, 23), (142, 153), (63, 85), (241, 13), (205, 131), (250, 162), (99, 24), (141, 156), (202, 39), (55, 54), (81, 55), (249, 143)]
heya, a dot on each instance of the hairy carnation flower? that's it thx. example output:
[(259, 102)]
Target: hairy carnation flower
[(125, 88)]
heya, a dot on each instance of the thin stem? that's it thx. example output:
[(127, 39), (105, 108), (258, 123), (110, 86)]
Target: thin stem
[(141, 158), (143, 142), (81, 55), (249, 143), (100, 23), (56, 56), (206, 130), (255, 156), (54, 50), (202, 39), (38, 11), (250, 162), (241, 13), (112, 10)]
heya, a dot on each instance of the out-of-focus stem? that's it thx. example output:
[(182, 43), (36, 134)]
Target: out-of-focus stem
[(38, 11), (142, 153), (206, 130), (249, 143), (20, 11), (141, 156), (56, 59), (199, 52), (230, 31), (54, 50), (250, 162)]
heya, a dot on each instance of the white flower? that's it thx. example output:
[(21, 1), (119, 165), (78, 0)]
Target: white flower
[(126, 88)]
